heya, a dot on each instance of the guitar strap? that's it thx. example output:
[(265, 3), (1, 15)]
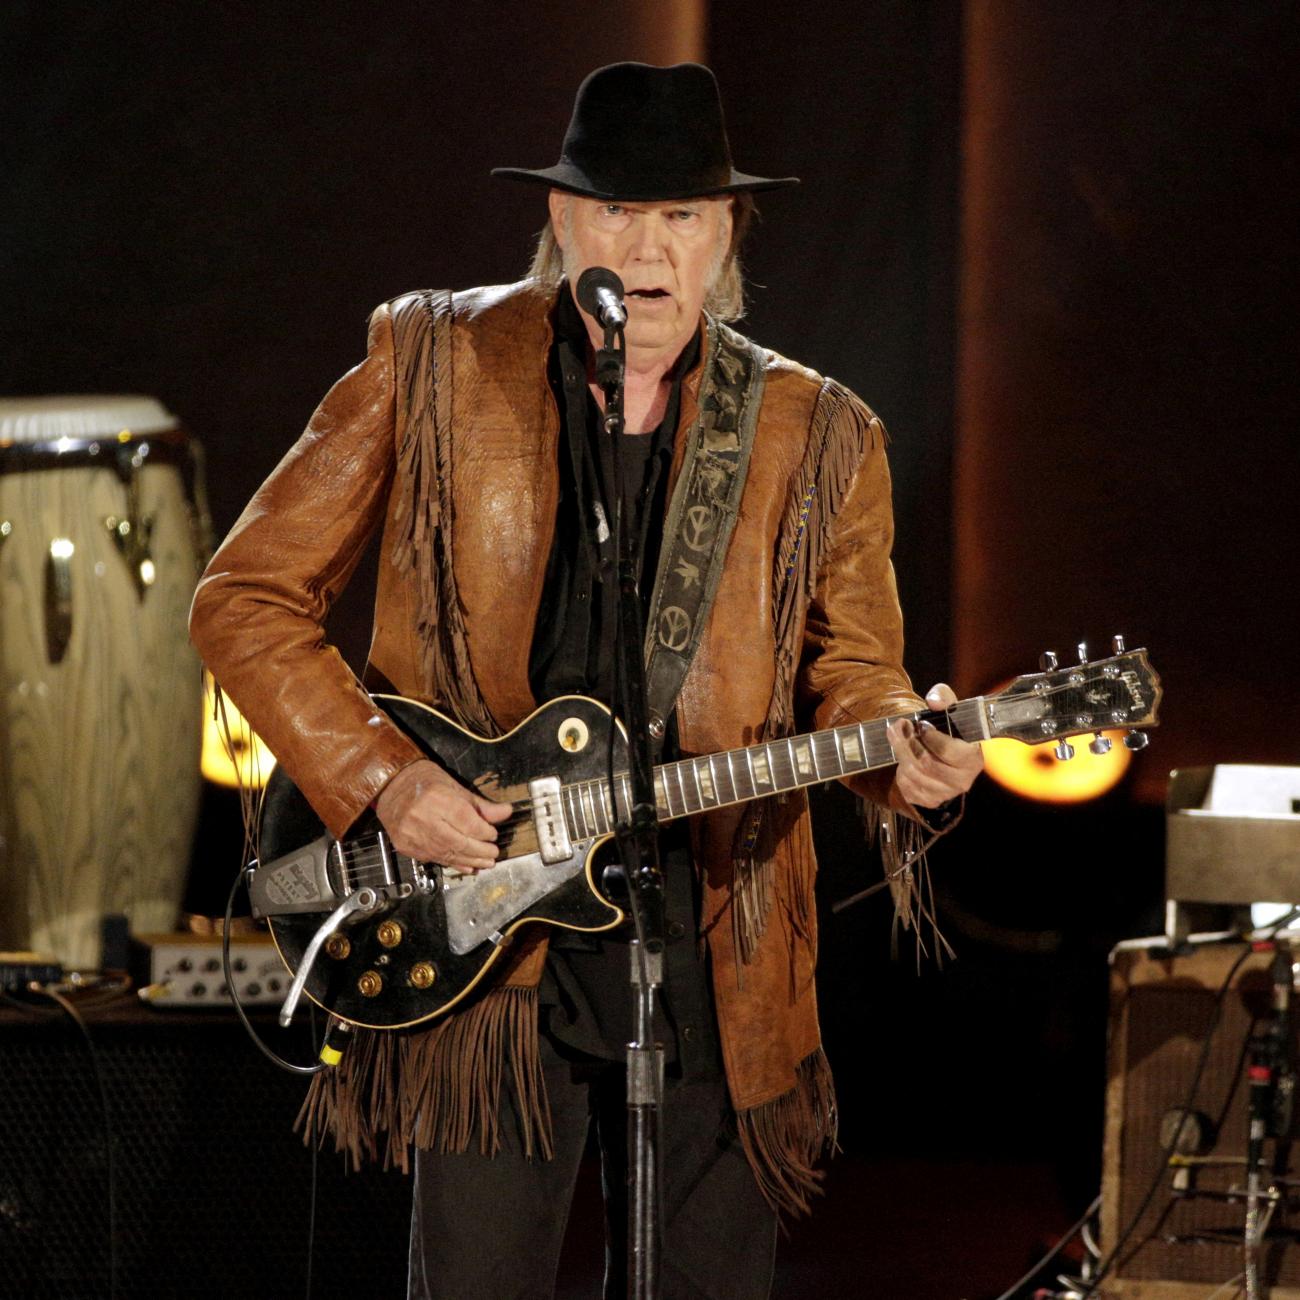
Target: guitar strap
[(702, 512)]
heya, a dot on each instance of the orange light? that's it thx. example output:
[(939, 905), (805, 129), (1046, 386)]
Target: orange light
[(1036, 773), (244, 761)]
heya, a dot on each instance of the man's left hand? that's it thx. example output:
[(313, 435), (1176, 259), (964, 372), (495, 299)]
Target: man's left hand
[(933, 766)]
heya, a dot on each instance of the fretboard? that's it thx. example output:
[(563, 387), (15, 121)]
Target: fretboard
[(696, 785)]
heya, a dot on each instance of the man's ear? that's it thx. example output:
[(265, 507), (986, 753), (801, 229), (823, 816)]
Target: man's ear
[(558, 202)]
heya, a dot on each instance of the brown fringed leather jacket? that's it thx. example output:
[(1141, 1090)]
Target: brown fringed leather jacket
[(446, 434)]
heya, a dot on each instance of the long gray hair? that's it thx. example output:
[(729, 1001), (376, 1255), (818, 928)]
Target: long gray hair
[(725, 299)]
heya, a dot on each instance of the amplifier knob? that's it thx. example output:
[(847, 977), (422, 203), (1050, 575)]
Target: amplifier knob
[(423, 974), (370, 984)]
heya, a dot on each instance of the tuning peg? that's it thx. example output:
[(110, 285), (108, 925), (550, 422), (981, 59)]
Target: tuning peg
[(1136, 740), (1099, 745), (1117, 643), (1064, 750), (1047, 661), (1083, 652)]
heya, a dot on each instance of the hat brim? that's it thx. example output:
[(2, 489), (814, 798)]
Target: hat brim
[(565, 176)]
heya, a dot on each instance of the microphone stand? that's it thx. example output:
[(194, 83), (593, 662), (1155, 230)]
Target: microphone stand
[(637, 833)]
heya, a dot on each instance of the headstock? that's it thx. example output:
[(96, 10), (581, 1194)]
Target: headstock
[(1122, 691)]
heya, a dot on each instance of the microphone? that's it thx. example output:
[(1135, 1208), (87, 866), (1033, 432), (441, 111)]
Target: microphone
[(600, 294)]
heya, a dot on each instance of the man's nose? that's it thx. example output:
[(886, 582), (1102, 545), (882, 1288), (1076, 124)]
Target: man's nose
[(652, 238)]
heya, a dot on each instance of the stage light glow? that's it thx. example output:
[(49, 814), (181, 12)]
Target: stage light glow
[(1034, 772), (246, 761)]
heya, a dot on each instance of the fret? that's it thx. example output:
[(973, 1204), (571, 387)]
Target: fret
[(725, 787), (589, 805), (703, 768), (577, 825), (698, 797), (849, 740), (782, 759), (681, 789), (600, 790), (738, 791), (662, 789), (825, 741)]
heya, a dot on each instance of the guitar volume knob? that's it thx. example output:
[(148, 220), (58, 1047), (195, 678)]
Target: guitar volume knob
[(423, 973), (389, 933), (338, 946), (370, 984)]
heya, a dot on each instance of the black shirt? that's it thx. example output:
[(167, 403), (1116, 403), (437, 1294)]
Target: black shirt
[(585, 993)]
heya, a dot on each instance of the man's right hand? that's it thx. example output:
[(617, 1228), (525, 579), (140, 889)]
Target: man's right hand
[(431, 817)]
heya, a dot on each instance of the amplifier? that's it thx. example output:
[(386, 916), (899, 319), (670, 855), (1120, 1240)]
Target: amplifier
[(184, 970), (1187, 1243)]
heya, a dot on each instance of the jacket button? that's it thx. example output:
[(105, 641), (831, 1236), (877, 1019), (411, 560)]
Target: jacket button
[(676, 929), (688, 1032)]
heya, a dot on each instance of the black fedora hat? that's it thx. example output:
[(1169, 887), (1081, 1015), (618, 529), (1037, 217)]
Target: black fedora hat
[(646, 134)]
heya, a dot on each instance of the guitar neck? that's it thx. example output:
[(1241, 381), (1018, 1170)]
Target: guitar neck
[(735, 776)]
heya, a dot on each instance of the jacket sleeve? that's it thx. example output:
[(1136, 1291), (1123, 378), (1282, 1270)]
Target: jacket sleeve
[(852, 668), (258, 613)]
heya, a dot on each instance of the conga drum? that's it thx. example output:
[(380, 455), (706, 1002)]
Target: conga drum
[(103, 529)]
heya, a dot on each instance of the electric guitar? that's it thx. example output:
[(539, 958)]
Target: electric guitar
[(381, 940)]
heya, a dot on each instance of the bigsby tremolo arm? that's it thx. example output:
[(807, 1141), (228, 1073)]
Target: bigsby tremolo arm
[(362, 900)]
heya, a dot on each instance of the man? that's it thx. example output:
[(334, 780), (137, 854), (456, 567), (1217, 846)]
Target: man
[(759, 497)]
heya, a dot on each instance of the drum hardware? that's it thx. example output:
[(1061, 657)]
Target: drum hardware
[(131, 536), (5, 529), (58, 598), (133, 532)]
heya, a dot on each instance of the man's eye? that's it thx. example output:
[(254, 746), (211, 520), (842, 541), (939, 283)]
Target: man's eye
[(613, 210), (685, 214)]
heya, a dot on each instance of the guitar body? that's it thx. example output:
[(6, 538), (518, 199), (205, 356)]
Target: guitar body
[(370, 982), (384, 941)]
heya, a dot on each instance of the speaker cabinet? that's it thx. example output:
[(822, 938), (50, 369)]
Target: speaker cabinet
[(212, 1187), (1187, 1243)]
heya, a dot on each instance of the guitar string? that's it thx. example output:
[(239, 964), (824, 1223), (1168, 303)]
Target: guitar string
[(366, 856)]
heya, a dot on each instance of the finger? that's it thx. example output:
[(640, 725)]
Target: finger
[(463, 815), (941, 696), (491, 810), (948, 749)]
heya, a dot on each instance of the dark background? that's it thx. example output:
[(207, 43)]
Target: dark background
[(1053, 245)]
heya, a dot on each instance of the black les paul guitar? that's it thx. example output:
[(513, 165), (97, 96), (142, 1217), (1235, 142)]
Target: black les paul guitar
[(382, 940)]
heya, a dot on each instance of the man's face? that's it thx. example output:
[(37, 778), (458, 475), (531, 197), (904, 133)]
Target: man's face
[(667, 255)]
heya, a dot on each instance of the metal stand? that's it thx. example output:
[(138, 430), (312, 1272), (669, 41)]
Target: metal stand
[(636, 830)]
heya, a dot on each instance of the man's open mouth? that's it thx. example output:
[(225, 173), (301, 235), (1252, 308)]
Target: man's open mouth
[(649, 294)]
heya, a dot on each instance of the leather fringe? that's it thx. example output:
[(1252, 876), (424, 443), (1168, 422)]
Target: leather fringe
[(842, 429), (422, 518), (903, 846), (438, 1089), (785, 1137)]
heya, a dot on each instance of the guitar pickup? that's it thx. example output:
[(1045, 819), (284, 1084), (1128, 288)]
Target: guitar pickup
[(553, 842)]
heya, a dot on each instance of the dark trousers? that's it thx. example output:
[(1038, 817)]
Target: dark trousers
[(490, 1228)]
